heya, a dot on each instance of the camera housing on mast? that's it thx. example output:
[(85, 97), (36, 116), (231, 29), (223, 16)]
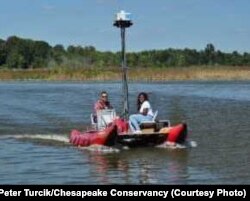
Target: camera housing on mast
[(122, 20)]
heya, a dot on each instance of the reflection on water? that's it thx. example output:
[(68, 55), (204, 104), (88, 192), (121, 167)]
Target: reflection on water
[(142, 166)]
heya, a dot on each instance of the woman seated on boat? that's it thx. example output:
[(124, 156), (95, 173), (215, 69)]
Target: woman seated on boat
[(145, 113), (102, 104)]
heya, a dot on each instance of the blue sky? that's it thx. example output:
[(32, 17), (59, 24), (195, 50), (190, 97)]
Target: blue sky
[(158, 24)]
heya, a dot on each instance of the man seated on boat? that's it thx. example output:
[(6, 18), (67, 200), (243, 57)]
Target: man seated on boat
[(102, 104), (145, 113)]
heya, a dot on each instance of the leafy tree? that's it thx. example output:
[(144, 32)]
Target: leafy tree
[(210, 54), (58, 53), (246, 58), (40, 54), (16, 53), (3, 52)]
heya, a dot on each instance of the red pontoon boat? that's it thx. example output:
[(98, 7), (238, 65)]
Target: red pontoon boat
[(110, 130)]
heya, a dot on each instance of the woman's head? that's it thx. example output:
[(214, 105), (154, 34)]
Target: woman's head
[(142, 97)]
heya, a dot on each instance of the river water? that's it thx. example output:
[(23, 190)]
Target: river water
[(37, 117)]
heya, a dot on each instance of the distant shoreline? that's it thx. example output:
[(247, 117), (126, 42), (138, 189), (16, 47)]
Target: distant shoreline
[(199, 73)]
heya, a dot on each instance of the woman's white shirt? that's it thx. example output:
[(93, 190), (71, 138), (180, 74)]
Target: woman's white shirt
[(147, 105)]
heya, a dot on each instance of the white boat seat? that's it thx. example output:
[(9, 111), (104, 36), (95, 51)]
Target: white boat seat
[(102, 118)]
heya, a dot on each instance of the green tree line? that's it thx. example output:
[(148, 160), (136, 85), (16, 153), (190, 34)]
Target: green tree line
[(19, 53)]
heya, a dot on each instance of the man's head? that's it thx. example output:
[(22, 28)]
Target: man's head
[(104, 96)]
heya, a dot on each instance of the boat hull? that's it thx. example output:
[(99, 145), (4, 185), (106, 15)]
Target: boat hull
[(115, 135)]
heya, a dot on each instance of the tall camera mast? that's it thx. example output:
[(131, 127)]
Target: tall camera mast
[(122, 21)]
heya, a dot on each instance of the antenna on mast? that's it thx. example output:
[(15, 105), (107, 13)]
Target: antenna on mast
[(123, 21)]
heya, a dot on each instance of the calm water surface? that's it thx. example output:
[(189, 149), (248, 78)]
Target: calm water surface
[(37, 117)]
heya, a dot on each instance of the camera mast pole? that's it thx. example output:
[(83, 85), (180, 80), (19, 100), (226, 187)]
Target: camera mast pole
[(122, 21)]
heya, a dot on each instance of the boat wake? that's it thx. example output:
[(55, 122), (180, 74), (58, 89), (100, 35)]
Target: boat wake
[(59, 139), (100, 149), (170, 145), (41, 137)]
